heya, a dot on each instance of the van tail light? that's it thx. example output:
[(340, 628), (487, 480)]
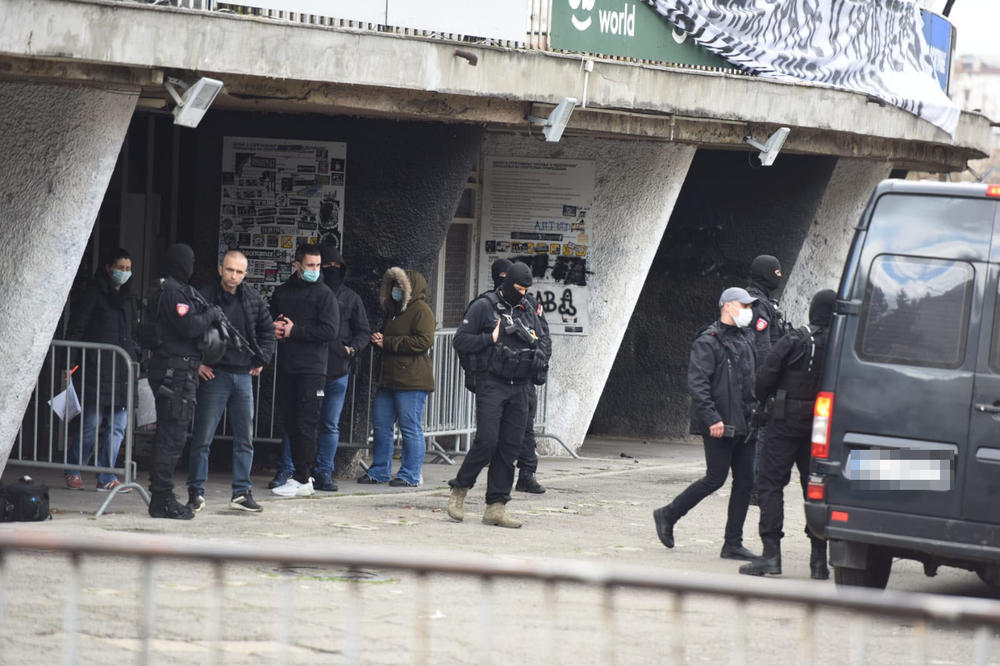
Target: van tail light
[(993, 190), (816, 489), (822, 415)]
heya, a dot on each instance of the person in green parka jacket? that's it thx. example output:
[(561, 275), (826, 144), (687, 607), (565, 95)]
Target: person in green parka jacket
[(405, 378)]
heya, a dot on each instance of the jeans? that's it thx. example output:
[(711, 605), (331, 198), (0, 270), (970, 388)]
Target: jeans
[(111, 442), (501, 419), (236, 392), (721, 455), (300, 397), (329, 430), (406, 407)]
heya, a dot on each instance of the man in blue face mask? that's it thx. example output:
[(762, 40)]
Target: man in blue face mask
[(306, 320)]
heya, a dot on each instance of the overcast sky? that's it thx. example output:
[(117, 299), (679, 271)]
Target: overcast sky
[(977, 23)]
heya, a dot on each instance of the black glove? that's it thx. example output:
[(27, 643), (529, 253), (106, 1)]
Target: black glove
[(216, 313)]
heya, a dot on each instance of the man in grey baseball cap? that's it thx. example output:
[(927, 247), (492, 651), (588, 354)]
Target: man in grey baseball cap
[(720, 377)]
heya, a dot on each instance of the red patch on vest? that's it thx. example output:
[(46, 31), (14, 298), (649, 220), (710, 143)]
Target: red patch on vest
[(182, 309), (761, 324), (538, 310)]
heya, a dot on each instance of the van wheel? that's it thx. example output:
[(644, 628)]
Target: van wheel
[(875, 574), (990, 575)]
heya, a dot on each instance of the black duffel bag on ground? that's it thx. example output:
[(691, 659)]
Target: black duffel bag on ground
[(24, 500)]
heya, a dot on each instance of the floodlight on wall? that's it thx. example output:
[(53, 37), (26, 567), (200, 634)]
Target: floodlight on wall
[(769, 149), (192, 105), (553, 126)]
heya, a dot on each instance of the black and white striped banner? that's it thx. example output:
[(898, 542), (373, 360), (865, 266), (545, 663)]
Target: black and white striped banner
[(874, 47)]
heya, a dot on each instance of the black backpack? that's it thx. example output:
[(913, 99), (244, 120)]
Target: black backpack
[(24, 500)]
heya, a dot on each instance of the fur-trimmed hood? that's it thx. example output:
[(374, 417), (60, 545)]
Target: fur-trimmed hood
[(413, 284)]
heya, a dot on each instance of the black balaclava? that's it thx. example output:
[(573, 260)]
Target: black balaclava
[(520, 274), (821, 308), (332, 276), (179, 262), (767, 270), (499, 266)]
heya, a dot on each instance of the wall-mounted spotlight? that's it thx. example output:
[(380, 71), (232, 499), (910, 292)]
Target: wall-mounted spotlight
[(191, 107), (553, 126), (769, 150)]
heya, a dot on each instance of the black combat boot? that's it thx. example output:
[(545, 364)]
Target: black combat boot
[(817, 560), (664, 526), (768, 563), (163, 504), (529, 484)]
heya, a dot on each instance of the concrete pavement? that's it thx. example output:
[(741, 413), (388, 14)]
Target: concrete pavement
[(596, 509)]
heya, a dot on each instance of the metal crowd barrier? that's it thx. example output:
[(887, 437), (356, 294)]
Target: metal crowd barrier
[(45, 440), (608, 613)]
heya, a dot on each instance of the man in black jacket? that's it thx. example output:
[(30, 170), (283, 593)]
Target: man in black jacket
[(177, 319), (720, 378), (790, 374), (228, 383), (306, 320), (104, 313), (500, 337), (351, 340)]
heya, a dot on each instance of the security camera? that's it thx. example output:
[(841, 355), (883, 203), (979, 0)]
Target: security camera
[(191, 107), (770, 149), (553, 126)]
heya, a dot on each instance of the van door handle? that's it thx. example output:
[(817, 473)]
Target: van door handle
[(988, 409)]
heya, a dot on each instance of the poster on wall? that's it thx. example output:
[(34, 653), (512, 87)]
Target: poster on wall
[(277, 193), (536, 210)]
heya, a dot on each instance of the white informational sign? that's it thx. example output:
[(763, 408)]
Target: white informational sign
[(277, 193), (506, 20), (537, 211)]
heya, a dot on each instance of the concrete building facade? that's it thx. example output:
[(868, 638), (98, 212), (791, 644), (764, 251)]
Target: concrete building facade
[(679, 205)]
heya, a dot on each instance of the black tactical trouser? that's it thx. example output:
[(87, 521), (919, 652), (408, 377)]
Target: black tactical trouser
[(174, 382), (527, 460), (501, 413), (721, 455), (783, 448), (300, 398)]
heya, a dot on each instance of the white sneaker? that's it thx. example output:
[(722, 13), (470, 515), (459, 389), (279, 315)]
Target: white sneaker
[(305, 489), (289, 488)]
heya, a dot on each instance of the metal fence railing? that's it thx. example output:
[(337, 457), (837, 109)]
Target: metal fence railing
[(579, 611), (105, 410)]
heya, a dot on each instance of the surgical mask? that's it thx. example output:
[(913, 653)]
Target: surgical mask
[(743, 317), (120, 277), (397, 294), (310, 276)]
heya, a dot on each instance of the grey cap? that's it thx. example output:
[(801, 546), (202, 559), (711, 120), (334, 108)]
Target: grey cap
[(736, 294)]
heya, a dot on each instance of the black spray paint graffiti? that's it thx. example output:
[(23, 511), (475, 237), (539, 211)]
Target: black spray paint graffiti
[(568, 270)]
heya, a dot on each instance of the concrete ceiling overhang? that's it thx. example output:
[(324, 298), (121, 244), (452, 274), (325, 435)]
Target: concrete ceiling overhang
[(280, 66)]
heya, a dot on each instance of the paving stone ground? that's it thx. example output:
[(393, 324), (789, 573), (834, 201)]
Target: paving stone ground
[(597, 509)]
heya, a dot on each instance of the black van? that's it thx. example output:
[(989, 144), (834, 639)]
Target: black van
[(906, 433)]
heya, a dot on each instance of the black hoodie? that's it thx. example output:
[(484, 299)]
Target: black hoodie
[(355, 331), (315, 316)]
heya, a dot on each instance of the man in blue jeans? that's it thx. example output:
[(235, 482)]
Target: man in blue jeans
[(352, 339), (228, 382)]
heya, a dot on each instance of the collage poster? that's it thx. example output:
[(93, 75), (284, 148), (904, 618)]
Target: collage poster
[(535, 210), (277, 193)]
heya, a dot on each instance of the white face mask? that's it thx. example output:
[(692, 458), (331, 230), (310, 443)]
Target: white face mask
[(743, 317)]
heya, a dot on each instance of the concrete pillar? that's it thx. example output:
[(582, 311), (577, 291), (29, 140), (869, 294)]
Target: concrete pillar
[(59, 147), (637, 185), (821, 259)]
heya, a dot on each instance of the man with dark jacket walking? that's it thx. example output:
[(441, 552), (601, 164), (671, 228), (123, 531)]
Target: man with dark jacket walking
[(352, 339), (104, 313), (499, 337), (176, 320), (306, 320), (790, 374), (228, 383), (720, 378)]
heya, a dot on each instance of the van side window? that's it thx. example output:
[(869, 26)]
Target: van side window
[(916, 311)]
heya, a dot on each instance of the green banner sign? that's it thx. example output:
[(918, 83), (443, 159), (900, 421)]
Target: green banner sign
[(627, 28)]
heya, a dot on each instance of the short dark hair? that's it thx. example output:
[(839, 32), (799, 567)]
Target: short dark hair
[(306, 248), (112, 256)]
